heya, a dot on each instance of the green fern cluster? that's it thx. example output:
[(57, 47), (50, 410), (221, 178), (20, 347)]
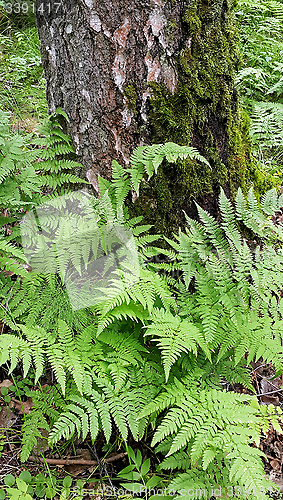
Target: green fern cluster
[(159, 352), (236, 305), (54, 148), (145, 160), (229, 303), (207, 429), (260, 79), (31, 171), (46, 403), (266, 124), (18, 181)]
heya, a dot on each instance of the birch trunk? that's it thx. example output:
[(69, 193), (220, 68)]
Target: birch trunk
[(132, 72)]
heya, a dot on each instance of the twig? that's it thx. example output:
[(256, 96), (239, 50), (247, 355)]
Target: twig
[(267, 393), (109, 479), (67, 461), (100, 469), (152, 452), (6, 308), (270, 383), (103, 462)]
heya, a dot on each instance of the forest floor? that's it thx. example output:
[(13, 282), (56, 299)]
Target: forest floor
[(79, 458)]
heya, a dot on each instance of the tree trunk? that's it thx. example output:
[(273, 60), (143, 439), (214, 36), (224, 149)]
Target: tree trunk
[(132, 72)]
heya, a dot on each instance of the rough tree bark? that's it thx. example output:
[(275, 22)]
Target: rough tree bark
[(133, 72)]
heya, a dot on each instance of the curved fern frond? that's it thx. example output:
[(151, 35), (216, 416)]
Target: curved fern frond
[(148, 158), (173, 337)]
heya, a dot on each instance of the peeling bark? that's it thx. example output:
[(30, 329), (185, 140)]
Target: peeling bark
[(91, 51)]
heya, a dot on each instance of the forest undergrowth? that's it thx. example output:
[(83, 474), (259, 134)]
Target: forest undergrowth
[(128, 369)]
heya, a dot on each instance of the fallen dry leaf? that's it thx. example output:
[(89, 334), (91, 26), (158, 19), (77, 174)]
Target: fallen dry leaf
[(7, 417), (24, 406), (270, 385), (275, 464), (6, 383)]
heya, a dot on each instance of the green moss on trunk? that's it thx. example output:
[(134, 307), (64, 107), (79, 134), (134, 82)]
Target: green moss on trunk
[(131, 97), (204, 113)]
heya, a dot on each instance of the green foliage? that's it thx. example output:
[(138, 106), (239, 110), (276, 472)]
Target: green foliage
[(213, 427), (260, 79), (46, 403), (107, 400), (22, 81), (236, 299), (174, 337), (29, 167), (17, 175), (266, 124), (149, 158), (157, 351), (31, 433), (27, 487), (136, 302), (136, 474)]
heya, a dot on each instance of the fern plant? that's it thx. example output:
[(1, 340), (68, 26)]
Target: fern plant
[(229, 303), (46, 402), (147, 159), (260, 79), (207, 429), (29, 168), (236, 299), (54, 148), (79, 232), (159, 351), (266, 124), (17, 181)]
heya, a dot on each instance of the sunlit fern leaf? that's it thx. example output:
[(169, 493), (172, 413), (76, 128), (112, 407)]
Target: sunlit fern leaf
[(148, 158), (215, 234), (173, 337), (55, 357), (31, 433), (61, 179), (270, 203), (266, 124), (275, 8), (121, 182), (228, 221)]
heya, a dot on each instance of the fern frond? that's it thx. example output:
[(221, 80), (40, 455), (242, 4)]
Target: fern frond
[(148, 158), (270, 202), (60, 179), (31, 433), (120, 182), (173, 337)]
